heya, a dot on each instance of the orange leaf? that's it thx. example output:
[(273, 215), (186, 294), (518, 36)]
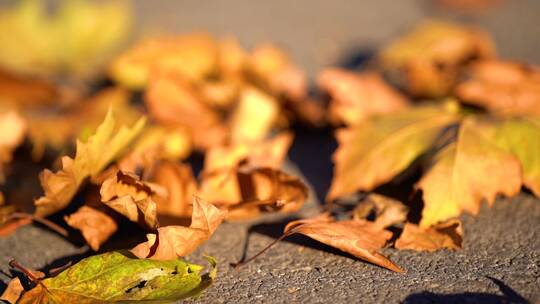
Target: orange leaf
[(96, 226), (444, 235)]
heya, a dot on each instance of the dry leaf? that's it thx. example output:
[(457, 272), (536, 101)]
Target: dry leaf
[(180, 184), (387, 211), (374, 151), (254, 116), (503, 87), (466, 172), (96, 226), (128, 195), (90, 159), (431, 55), (444, 235), (12, 128), (357, 237), (13, 291), (27, 92), (172, 242), (191, 57), (355, 97)]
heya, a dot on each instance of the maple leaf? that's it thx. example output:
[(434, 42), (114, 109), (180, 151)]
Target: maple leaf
[(443, 235), (90, 159), (431, 54), (119, 277), (171, 242), (95, 225), (354, 97), (503, 87), (466, 172), (77, 38), (521, 137), (374, 151), (387, 211)]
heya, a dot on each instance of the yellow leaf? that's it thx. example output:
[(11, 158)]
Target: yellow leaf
[(90, 159)]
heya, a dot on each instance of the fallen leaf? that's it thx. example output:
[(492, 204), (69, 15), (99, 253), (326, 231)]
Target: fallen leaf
[(466, 172), (119, 277), (90, 159), (27, 92), (172, 242), (13, 128), (503, 87), (126, 194), (355, 97), (387, 211), (13, 291), (96, 226), (431, 55), (443, 235), (180, 185), (191, 57), (374, 151), (77, 38), (357, 237)]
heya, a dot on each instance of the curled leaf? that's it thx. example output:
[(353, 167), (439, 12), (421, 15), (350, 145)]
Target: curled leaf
[(180, 185), (387, 211), (96, 226), (172, 242), (443, 235)]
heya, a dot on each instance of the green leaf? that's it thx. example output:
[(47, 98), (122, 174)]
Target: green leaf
[(120, 277)]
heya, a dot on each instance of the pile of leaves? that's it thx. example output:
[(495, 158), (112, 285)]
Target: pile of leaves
[(111, 135)]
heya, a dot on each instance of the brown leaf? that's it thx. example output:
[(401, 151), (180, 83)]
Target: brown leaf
[(180, 184), (12, 128), (466, 172), (387, 211), (25, 92), (96, 226), (128, 195), (431, 55), (172, 242), (13, 291), (503, 87), (444, 235), (354, 97), (357, 237)]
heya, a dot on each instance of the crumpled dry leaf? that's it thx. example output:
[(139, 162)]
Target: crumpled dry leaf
[(90, 159), (77, 38), (374, 151), (357, 237), (387, 211), (180, 184), (172, 242), (355, 97), (125, 193), (253, 117), (521, 137), (119, 277), (13, 128), (191, 57), (503, 87), (466, 172), (443, 235), (431, 55), (96, 226)]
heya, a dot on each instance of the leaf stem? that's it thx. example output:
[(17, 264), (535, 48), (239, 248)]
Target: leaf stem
[(49, 224), (242, 263)]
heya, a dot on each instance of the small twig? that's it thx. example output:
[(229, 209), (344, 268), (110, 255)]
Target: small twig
[(49, 224), (14, 264)]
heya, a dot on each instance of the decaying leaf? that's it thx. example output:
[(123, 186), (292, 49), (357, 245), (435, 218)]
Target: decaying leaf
[(172, 242), (503, 87), (443, 235), (387, 211), (357, 237), (126, 194), (430, 56), (120, 277), (12, 128), (355, 97), (376, 150), (466, 172), (77, 38), (96, 226), (90, 159)]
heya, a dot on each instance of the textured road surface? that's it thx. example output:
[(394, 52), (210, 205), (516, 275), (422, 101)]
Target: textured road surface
[(501, 259)]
